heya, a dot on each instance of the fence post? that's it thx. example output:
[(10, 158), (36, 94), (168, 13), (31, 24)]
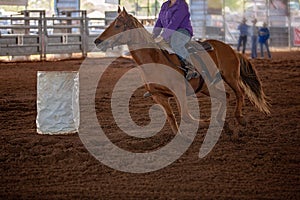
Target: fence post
[(26, 21), (45, 36), (84, 33), (41, 29)]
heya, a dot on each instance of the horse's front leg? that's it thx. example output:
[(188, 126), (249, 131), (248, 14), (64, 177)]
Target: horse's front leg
[(163, 101), (182, 104)]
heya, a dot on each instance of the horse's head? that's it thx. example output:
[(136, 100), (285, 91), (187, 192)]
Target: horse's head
[(112, 34)]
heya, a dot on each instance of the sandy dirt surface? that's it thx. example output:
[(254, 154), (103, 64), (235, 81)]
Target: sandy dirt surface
[(259, 161)]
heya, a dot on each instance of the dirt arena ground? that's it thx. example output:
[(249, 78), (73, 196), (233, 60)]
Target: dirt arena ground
[(260, 161)]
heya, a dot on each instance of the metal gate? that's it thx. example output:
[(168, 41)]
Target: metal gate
[(35, 34)]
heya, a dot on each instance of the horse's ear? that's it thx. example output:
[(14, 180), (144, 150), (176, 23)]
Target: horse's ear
[(124, 10), (119, 9)]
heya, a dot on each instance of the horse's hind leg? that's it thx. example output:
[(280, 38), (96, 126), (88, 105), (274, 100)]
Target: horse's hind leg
[(239, 93), (164, 102), (229, 64), (219, 95)]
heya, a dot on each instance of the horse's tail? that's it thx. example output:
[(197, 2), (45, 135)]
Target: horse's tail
[(252, 85)]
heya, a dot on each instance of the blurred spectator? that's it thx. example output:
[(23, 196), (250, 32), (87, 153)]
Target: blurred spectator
[(243, 28), (263, 39), (254, 34)]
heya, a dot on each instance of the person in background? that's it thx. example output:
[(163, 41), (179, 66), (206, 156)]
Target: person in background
[(254, 39), (263, 39), (175, 24), (243, 28)]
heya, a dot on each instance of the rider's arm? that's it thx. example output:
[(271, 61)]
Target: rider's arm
[(178, 16)]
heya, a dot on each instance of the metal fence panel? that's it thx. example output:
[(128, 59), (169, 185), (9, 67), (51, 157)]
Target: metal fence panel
[(48, 35), (36, 34)]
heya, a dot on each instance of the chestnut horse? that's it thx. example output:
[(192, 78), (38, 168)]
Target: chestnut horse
[(233, 67)]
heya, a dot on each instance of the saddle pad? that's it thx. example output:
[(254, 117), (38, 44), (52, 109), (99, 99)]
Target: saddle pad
[(194, 46)]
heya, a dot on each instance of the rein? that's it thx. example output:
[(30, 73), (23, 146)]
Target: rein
[(129, 24)]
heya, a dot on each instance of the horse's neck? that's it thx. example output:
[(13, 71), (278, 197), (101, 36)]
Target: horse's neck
[(144, 55), (153, 56), (143, 49), (140, 37)]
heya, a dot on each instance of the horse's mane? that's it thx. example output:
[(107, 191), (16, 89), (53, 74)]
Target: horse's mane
[(137, 24)]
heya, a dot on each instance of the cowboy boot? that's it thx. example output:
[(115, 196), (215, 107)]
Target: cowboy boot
[(206, 74), (191, 71)]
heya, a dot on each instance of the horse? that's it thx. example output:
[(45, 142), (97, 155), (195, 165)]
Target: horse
[(234, 68)]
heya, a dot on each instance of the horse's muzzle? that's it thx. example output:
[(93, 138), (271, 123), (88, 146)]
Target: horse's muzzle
[(97, 41), (101, 44)]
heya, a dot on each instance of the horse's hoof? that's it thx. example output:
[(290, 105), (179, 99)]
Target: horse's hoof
[(215, 121), (185, 139), (227, 129), (241, 121), (204, 123), (227, 95), (188, 120)]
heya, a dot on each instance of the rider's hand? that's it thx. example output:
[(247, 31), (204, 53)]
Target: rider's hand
[(159, 39)]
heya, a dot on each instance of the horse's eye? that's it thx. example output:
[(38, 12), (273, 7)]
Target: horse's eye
[(117, 24)]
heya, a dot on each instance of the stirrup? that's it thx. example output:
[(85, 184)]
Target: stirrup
[(213, 82), (216, 79), (192, 74), (189, 69)]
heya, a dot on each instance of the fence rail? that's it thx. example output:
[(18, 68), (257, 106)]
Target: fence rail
[(41, 35), (35, 34)]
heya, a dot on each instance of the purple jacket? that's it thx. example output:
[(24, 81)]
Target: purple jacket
[(173, 18)]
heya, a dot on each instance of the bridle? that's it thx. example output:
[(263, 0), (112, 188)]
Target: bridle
[(124, 23), (128, 24)]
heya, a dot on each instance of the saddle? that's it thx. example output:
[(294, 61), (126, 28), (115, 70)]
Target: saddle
[(197, 45), (194, 47)]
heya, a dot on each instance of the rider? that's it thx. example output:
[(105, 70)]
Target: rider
[(174, 19), (175, 24)]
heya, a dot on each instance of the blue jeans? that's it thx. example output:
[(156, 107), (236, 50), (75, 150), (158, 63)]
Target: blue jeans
[(178, 41), (262, 49), (254, 46), (242, 41)]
